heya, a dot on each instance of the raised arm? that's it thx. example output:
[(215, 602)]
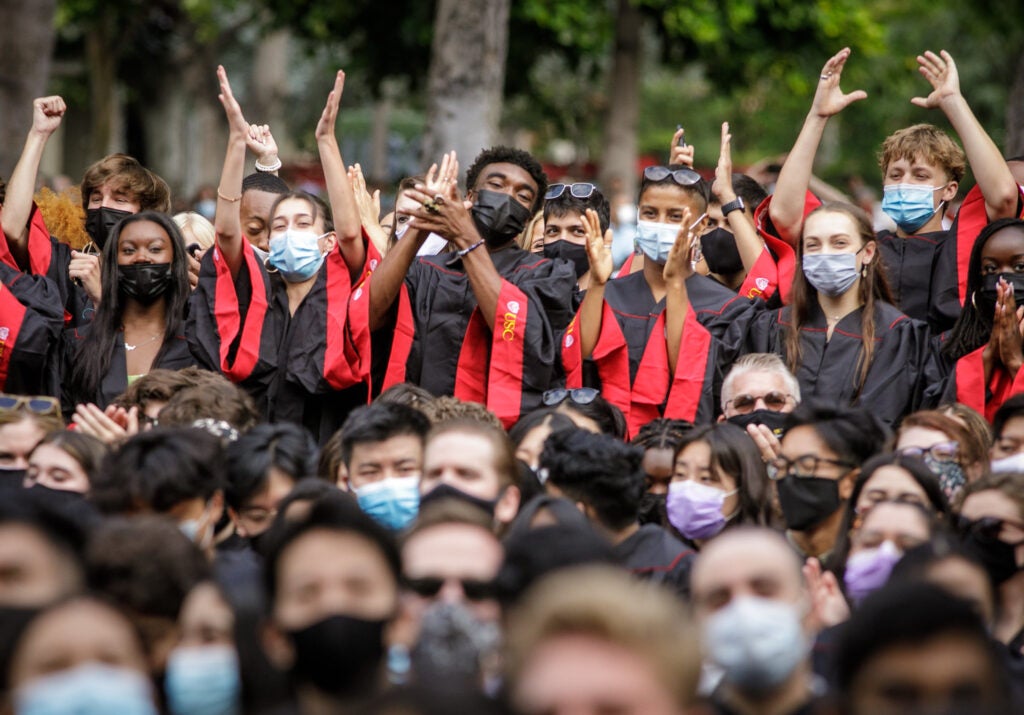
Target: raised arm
[(678, 268), (261, 142), (339, 190), (369, 209), (990, 170), (680, 152), (386, 281), (46, 117), (747, 241), (787, 206), (599, 254), (227, 223)]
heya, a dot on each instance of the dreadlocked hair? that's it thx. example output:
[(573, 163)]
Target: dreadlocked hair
[(662, 432), (974, 327), (873, 288)]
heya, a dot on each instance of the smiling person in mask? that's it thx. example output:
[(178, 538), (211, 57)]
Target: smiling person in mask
[(139, 323), (298, 353), (332, 587), (755, 613), (483, 324)]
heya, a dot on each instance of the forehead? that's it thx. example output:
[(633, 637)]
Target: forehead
[(513, 173), (448, 549), (824, 224), (804, 440), (758, 382), (1014, 427), (896, 519), (1006, 242), (892, 478), (923, 437), (321, 553), (990, 503), (398, 447), (404, 203), (295, 206), (569, 218), (917, 162), (739, 561), (258, 203), (459, 448), (143, 231), (671, 196)]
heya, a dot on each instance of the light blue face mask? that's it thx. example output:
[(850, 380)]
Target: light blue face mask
[(88, 689), (830, 273), (655, 240), (296, 255), (910, 205), (393, 502), (203, 680)]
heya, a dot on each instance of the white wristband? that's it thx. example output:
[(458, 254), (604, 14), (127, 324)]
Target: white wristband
[(266, 169)]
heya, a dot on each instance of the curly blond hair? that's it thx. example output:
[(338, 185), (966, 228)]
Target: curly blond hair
[(64, 215)]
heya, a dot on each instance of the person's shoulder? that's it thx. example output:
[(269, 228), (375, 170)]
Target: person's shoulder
[(889, 316)]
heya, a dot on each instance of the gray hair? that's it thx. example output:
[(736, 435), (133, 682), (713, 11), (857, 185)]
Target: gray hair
[(759, 362)]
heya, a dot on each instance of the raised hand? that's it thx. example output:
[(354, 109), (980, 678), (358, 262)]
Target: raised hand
[(599, 251), (236, 120), (680, 154), (85, 267), (678, 265), (441, 180), (442, 210), (828, 607), (325, 128), (940, 71), (1008, 323), (260, 141), (722, 187), (829, 99), (369, 204), (47, 113)]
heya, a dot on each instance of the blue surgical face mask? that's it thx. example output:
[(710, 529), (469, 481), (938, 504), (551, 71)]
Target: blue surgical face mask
[(655, 239), (88, 689), (695, 509), (393, 502), (910, 205), (830, 273), (203, 680), (296, 254)]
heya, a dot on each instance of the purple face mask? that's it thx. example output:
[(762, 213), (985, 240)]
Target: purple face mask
[(868, 570), (695, 510)]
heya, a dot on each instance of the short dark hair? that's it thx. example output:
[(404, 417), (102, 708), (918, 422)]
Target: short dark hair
[(598, 470), (699, 191), (330, 514), (608, 417), (265, 181), (286, 446), (556, 420), (662, 433), (853, 433), (378, 422), (908, 614), (1013, 407), (749, 190), (406, 393), (159, 469), (569, 204), (510, 155)]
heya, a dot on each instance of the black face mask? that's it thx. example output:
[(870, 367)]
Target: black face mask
[(572, 252), (985, 298), (12, 479), (807, 501), (998, 557), (100, 222), (145, 282), (769, 418), (446, 491), (499, 218), (652, 509), (720, 252), (339, 655)]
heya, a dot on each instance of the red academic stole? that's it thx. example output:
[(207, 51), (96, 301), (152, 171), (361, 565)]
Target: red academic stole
[(652, 387), (40, 248), (228, 315), (12, 314), (358, 343), (970, 220), (971, 387), (785, 261)]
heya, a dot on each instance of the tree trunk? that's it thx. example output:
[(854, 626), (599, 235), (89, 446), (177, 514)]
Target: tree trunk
[(466, 78), (270, 87), (1015, 113), (26, 45), (618, 165), (101, 64)]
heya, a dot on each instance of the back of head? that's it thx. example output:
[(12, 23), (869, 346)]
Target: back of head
[(608, 418), (924, 142), (447, 408), (126, 174), (159, 385), (159, 469), (749, 190), (215, 399), (284, 446), (853, 433), (598, 470), (405, 393)]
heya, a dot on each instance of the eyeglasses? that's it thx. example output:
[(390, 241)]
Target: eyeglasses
[(40, 405), (941, 452), (683, 177), (580, 190), (430, 586), (806, 465), (578, 395), (773, 400)]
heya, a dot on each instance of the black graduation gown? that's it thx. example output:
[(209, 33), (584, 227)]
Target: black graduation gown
[(442, 342), (299, 368), (31, 316), (829, 368), (173, 355), (911, 266), (653, 554)]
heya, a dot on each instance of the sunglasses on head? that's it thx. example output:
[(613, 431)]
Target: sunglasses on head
[(581, 190), (683, 177), (773, 400), (430, 586), (579, 395), (39, 404)]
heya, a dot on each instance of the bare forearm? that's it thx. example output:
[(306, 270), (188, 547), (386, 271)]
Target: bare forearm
[(787, 206), (18, 203), (990, 170), (386, 281), (677, 302), (590, 317), (343, 204), (227, 222)]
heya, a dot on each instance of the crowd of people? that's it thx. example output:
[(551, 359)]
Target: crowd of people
[(459, 459)]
